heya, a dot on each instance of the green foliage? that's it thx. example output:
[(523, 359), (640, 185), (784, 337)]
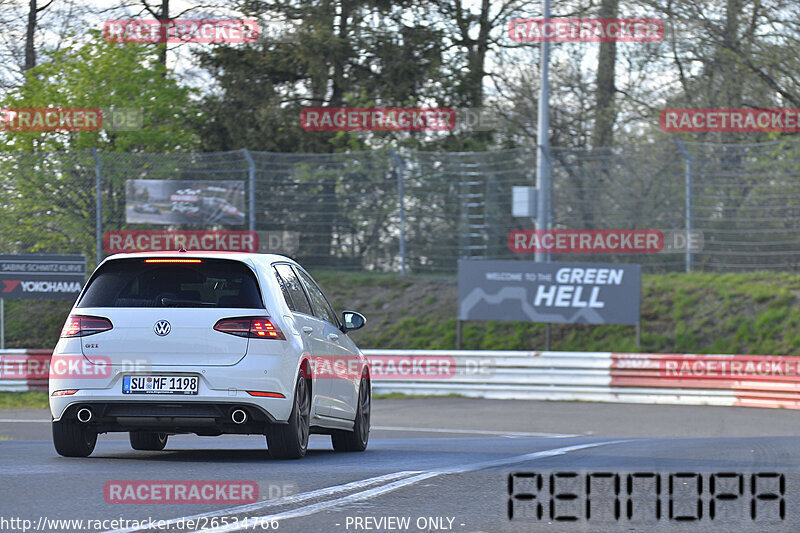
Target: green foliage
[(50, 317), (694, 313), (48, 197), (106, 75), (374, 54)]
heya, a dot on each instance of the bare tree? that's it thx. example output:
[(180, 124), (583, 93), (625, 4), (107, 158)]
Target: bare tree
[(161, 13), (30, 30), (30, 48), (605, 86)]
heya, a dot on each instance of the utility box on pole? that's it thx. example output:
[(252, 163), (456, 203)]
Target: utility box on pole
[(523, 202)]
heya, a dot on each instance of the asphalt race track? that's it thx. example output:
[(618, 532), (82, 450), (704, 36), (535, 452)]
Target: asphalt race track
[(443, 465)]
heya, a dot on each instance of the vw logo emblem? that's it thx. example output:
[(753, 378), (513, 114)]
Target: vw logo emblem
[(162, 328)]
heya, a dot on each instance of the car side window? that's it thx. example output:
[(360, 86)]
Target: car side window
[(292, 290), (287, 296), (322, 309)]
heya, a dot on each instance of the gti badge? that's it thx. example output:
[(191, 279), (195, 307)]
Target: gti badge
[(162, 328)]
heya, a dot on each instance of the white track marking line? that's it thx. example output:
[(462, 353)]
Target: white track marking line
[(377, 491), (6, 420), (475, 432), (286, 500)]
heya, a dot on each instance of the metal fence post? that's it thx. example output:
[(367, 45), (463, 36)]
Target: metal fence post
[(689, 171), (543, 139), (399, 170), (98, 205), (251, 178)]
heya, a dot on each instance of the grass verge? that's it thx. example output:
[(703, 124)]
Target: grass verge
[(750, 313), (24, 400)]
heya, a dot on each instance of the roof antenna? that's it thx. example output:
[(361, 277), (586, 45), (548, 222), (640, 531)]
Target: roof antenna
[(182, 250)]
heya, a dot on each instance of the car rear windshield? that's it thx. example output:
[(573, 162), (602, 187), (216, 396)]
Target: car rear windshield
[(206, 283)]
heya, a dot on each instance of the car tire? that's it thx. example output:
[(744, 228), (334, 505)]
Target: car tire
[(73, 439), (356, 440), (148, 440), (290, 441)]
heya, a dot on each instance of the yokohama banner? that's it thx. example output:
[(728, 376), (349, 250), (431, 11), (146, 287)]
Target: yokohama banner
[(41, 276)]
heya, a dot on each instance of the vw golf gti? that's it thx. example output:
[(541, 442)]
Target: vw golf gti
[(214, 343)]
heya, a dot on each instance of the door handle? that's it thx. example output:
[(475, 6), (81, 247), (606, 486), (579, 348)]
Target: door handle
[(307, 329), (333, 336)]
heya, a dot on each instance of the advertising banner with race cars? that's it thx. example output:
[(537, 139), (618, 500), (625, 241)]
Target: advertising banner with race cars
[(41, 276), (586, 293), (185, 202)]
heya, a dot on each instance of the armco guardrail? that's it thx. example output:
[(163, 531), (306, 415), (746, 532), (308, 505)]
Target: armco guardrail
[(745, 380), (24, 370), (755, 381)]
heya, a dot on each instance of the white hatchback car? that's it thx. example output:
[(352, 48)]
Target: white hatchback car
[(207, 343)]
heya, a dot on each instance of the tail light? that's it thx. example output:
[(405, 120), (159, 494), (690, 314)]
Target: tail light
[(65, 392), (262, 394), (81, 326), (173, 260), (254, 327)]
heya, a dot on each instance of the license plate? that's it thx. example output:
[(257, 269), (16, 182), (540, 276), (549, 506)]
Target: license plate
[(159, 385)]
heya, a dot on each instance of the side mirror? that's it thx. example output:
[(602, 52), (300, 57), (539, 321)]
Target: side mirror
[(352, 320)]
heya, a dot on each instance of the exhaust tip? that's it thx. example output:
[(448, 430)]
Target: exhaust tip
[(84, 415), (239, 416)]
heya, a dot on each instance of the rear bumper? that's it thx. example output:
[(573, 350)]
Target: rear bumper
[(203, 418), (221, 386)]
